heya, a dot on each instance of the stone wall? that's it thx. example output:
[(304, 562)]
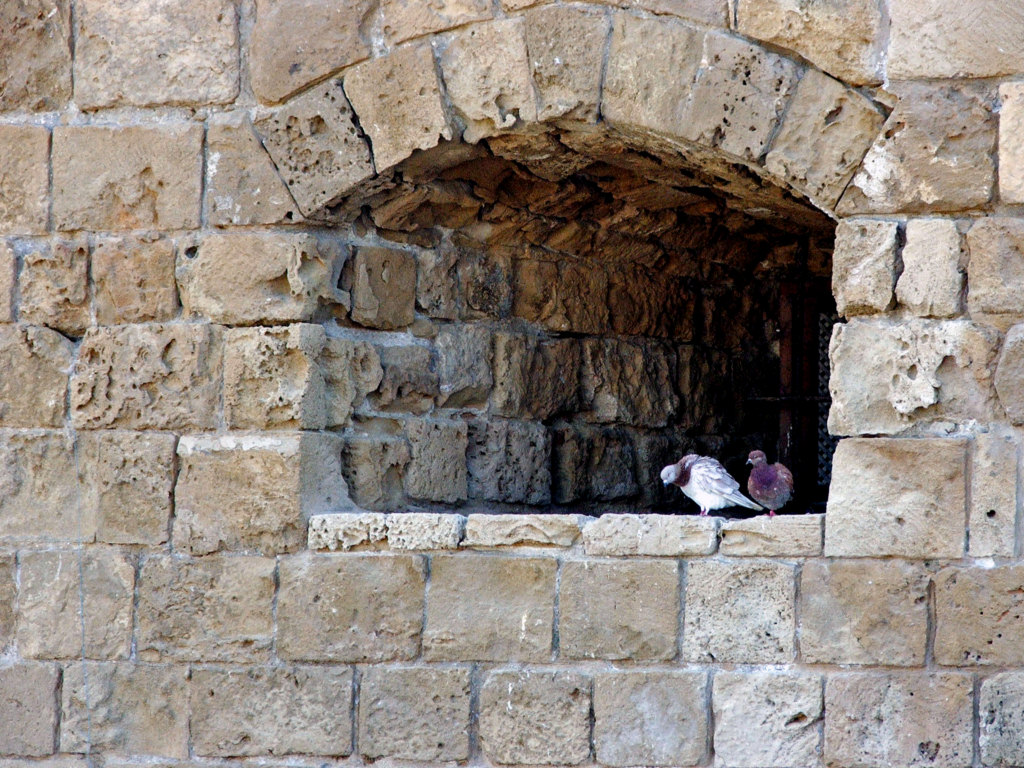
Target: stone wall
[(275, 273)]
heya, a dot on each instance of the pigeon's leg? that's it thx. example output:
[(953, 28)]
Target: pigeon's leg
[(771, 513), (703, 513)]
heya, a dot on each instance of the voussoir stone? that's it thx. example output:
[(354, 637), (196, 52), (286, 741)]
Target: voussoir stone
[(979, 616), (782, 536), (35, 55), (996, 270), (657, 535), (23, 175), (133, 280), (1001, 717), (405, 19), (1011, 142), (28, 706), (932, 282), (36, 364), (992, 509), (53, 285), (485, 531)]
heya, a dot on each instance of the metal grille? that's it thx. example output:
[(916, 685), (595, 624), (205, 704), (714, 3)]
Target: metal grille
[(826, 442)]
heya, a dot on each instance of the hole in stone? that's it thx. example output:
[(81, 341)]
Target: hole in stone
[(990, 514), (191, 252)]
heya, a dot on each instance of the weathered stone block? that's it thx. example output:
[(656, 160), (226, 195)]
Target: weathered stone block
[(410, 713), (1010, 374), (437, 471), (1011, 142), (864, 265), (8, 281), (408, 381), (767, 718), (24, 183), (485, 531), (463, 365), (486, 285), (275, 711), (653, 718), (913, 718), (996, 272), (346, 530), (901, 498), (619, 610), (932, 282), (383, 286), (483, 608), (535, 718), (437, 283), (8, 596), (424, 530), (535, 377), (373, 467), (642, 304), (658, 535), (566, 296), (130, 177), (28, 709), (593, 463), (52, 624), (739, 611), (509, 461), (362, 608), (126, 709), (53, 286), (351, 369), (992, 506), (863, 612), (979, 616), (784, 536), (629, 381), (35, 55), (1001, 717), (404, 19), (34, 386), (133, 280)]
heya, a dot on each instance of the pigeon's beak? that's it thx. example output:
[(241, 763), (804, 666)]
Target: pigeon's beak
[(750, 461), (665, 482)]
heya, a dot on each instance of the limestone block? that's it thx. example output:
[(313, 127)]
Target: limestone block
[(316, 146), (23, 175), (398, 121), (657, 535), (783, 536), (373, 468), (996, 271), (55, 761), (767, 718), (51, 617), (864, 265), (979, 616), (535, 718), (272, 379), (826, 131), (133, 280), (899, 498), (486, 531), (863, 612), (484, 608), (28, 709), (647, 305), (1011, 142), (566, 296), (36, 362), (241, 279), (653, 718), (210, 609), (509, 461), (932, 282), (408, 381), (350, 369), (254, 492), (910, 718), (935, 153), (485, 280), (346, 530), (424, 530), (463, 365), (629, 381), (708, 12), (437, 283), (130, 177), (8, 281), (593, 463), (8, 596), (356, 608), (404, 19), (437, 471), (992, 505), (271, 710), (410, 713), (242, 183), (383, 288), (124, 708), (1001, 717), (619, 610), (159, 376), (295, 42), (53, 286), (487, 76), (35, 55), (566, 47), (535, 377), (739, 611)]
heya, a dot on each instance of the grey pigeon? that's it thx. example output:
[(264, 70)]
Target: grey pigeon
[(706, 482), (770, 484)]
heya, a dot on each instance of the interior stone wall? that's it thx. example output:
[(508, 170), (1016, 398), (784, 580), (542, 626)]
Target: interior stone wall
[(275, 273)]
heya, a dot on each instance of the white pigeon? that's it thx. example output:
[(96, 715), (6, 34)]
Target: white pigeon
[(705, 480)]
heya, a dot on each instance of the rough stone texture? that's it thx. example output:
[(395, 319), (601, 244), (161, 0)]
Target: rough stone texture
[(8, 596), (863, 612), (484, 608), (437, 471), (563, 296), (50, 616), (463, 365), (739, 611), (535, 377), (509, 461), (996, 271), (992, 506), (437, 283), (35, 55), (8, 281), (1010, 373), (413, 713), (346, 530), (356, 608), (934, 154), (767, 718), (383, 288), (864, 265), (485, 531), (131, 177), (295, 42), (593, 463), (628, 381), (658, 535), (210, 609), (535, 718), (373, 468), (424, 530), (34, 386), (275, 711), (125, 708), (627, 610), (932, 282), (242, 183), (159, 376), (783, 536), (28, 709), (53, 286), (902, 498), (133, 280), (654, 718), (254, 492), (351, 369), (1001, 714), (408, 382), (1011, 142), (24, 183), (912, 718), (404, 19), (319, 151), (979, 616)]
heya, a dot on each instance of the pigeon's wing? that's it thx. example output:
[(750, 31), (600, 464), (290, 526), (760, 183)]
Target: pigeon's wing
[(782, 487), (711, 477)]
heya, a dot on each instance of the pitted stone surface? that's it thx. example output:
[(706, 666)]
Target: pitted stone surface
[(979, 616), (351, 369), (408, 381), (53, 286), (35, 55), (485, 531), (658, 535), (133, 279), (1001, 705), (509, 461), (781, 536), (28, 706), (1011, 142), (992, 509), (347, 530), (404, 19), (374, 467), (437, 469), (36, 363), (424, 531), (932, 282), (23, 175)]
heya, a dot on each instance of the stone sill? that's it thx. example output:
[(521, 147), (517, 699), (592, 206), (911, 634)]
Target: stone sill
[(609, 535)]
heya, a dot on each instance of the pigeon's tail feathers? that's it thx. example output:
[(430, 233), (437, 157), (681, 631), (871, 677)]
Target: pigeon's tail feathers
[(740, 500)]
